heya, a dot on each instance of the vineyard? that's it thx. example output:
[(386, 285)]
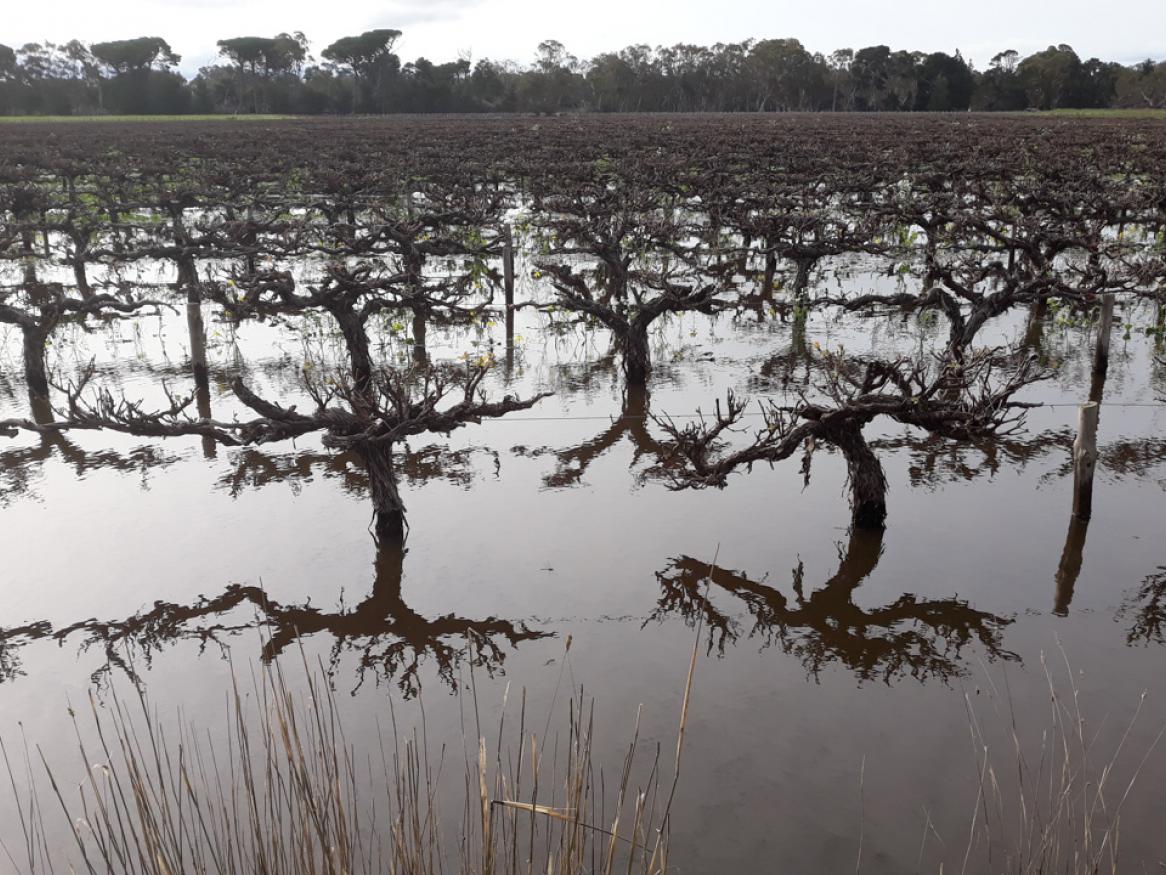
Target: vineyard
[(781, 329)]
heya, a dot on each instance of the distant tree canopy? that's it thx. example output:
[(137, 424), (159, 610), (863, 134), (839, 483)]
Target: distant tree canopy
[(362, 53), (135, 55), (268, 55), (262, 71), (370, 61), (139, 76), (7, 62), (362, 73), (1146, 86)]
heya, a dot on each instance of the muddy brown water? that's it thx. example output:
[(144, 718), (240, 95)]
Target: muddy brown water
[(830, 721)]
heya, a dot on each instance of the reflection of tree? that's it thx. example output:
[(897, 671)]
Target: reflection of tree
[(1137, 458), (254, 468), (1132, 458), (251, 468), (388, 638), (11, 640), (572, 463), (370, 416), (911, 636), (597, 376), (1146, 606), (18, 466), (780, 369), (934, 460)]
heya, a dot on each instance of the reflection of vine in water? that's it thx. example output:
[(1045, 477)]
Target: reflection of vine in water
[(388, 638), (254, 469), (19, 466), (572, 462), (1146, 606), (1133, 458), (632, 423), (934, 460), (1139, 459), (11, 640), (251, 468), (917, 637), (792, 366)]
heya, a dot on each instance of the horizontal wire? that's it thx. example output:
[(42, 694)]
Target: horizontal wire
[(612, 417), (1105, 404), (616, 417)]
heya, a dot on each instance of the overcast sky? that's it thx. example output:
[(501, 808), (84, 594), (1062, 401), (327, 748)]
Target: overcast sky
[(1120, 30)]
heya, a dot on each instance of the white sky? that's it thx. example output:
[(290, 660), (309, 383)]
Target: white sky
[(1119, 30)]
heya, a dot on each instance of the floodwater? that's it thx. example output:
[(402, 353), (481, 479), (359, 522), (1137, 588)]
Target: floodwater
[(838, 677)]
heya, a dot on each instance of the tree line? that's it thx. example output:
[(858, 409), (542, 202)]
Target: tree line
[(362, 74)]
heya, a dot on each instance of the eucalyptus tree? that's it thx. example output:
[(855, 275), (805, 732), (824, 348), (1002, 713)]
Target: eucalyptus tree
[(369, 56), (132, 55), (8, 67)]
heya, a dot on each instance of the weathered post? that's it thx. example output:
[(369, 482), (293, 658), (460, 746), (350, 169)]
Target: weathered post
[(1160, 318), (197, 339), (202, 396), (508, 282), (1101, 349), (1104, 330), (188, 277), (1085, 460)]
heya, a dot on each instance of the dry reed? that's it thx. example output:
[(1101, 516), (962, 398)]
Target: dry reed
[(1054, 806), (288, 794)]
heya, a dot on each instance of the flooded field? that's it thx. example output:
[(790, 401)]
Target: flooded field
[(862, 694)]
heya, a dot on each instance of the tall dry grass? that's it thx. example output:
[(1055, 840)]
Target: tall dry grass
[(287, 793), (1050, 799), (283, 790)]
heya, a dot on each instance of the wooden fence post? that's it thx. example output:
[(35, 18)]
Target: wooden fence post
[(1104, 330), (189, 278), (1160, 317), (197, 342), (1085, 460), (508, 282)]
